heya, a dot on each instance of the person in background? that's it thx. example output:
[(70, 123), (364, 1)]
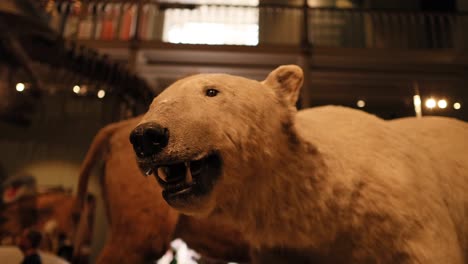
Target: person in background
[(65, 248), (29, 243)]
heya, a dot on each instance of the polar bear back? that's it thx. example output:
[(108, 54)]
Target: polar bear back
[(446, 140), (436, 144), (349, 134), (427, 157)]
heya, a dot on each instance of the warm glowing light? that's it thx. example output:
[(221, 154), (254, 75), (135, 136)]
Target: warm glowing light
[(442, 104), (213, 34), (20, 87), (361, 103), (417, 105), (456, 106), (101, 94), (417, 100), (213, 25), (430, 103), (76, 89)]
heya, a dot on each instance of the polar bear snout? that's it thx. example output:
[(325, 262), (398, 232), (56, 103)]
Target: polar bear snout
[(149, 139)]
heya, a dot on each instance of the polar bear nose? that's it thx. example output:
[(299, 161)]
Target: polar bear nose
[(148, 139)]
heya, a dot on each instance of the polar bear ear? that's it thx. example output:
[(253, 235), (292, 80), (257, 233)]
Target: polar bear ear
[(286, 81)]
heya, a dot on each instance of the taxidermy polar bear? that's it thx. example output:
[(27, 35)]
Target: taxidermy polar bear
[(322, 185), (141, 224)]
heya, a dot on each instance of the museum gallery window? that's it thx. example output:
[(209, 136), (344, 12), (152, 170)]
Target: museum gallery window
[(213, 24)]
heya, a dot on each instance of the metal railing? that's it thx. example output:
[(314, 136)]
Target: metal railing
[(282, 25), (384, 29)]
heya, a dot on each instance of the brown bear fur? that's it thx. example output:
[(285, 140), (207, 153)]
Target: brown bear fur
[(322, 185), (36, 211), (141, 223)]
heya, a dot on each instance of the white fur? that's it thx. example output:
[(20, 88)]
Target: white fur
[(324, 185)]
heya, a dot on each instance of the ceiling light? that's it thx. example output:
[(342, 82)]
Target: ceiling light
[(456, 106), (430, 103), (20, 87), (442, 103), (361, 103), (101, 94), (76, 89)]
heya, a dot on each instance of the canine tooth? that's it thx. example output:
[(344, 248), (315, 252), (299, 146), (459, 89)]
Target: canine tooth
[(188, 173), (162, 174), (149, 172)]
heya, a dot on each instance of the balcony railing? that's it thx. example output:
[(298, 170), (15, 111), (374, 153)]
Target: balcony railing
[(275, 25), (383, 29)]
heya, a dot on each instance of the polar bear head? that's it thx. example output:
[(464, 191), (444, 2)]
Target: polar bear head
[(207, 136)]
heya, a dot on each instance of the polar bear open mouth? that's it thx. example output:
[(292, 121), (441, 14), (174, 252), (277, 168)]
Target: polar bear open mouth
[(182, 180)]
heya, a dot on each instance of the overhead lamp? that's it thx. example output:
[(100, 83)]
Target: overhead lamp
[(101, 93), (442, 104), (361, 103), (431, 103), (76, 89), (20, 87)]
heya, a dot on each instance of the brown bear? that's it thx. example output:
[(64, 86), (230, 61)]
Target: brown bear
[(141, 223), (321, 185), (48, 211)]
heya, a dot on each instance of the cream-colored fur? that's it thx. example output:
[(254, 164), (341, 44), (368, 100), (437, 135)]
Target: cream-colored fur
[(141, 224), (322, 185)]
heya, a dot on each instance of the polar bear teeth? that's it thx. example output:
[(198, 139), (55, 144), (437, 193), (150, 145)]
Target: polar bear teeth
[(149, 172), (178, 172), (188, 173)]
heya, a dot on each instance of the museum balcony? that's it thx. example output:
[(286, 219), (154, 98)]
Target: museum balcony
[(351, 53)]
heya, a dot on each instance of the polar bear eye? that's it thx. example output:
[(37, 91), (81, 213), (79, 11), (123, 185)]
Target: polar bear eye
[(211, 92)]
